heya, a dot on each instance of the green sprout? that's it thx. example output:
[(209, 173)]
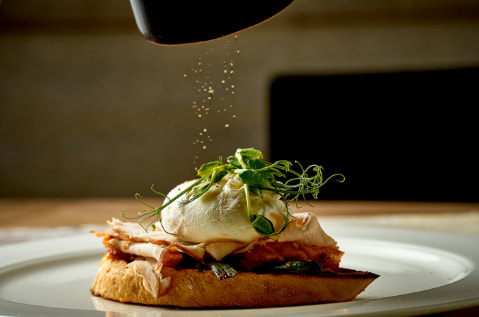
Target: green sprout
[(257, 176)]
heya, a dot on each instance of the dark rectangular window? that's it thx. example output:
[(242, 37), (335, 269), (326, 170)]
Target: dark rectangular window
[(395, 136)]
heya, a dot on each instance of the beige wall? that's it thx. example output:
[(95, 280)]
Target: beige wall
[(88, 108)]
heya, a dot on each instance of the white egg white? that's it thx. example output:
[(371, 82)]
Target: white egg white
[(220, 214)]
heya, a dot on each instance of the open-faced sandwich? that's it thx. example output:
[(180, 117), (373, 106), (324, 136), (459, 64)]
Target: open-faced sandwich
[(228, 239)]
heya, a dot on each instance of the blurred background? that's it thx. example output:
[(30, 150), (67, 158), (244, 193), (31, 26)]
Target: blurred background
[(382, 91)]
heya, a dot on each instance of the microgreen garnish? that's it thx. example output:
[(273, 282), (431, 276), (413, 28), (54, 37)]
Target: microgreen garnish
[(257, 176)]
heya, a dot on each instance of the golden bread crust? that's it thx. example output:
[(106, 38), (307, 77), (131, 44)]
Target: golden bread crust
[(193, 288)]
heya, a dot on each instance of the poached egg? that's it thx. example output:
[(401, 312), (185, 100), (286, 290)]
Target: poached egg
[(220, 214)]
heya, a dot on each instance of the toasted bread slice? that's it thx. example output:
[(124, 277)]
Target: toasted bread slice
[(194, 288)]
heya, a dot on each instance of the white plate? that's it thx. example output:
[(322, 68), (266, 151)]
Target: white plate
[(421, 272)]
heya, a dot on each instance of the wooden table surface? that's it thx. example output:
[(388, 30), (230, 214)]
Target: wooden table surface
[(75, 212), (25, 219)]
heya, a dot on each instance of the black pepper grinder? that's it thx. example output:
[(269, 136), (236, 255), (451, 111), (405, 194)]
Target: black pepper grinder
[(172, 22)]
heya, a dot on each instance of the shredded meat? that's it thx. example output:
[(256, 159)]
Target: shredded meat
[(172, 257), (262, 255), (280, 252), (115, 254)]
